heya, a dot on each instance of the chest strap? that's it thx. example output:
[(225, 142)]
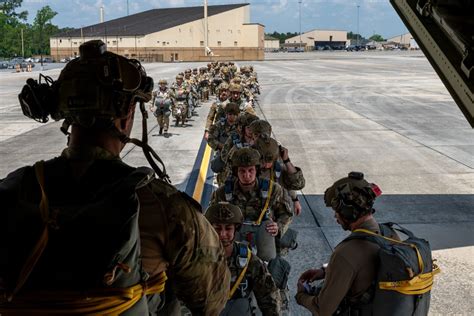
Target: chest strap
[(241, 275)]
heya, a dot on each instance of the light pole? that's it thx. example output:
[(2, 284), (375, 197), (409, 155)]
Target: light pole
[(358, 35), (299, 3)]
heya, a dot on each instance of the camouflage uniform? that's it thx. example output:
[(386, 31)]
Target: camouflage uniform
[(217, 109), (219, 132), (258, 280), (245, 106), (162, 107), (252, 204)]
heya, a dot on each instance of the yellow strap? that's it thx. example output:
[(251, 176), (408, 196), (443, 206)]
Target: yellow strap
[(38, 249), (106, 301), (241, 275), (267, 202), (420, 259)]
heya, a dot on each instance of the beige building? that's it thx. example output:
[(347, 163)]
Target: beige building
[(272, 44), (173, 34), (404, 40), (318, 39)]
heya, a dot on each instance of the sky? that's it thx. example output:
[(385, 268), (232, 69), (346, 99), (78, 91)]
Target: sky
[(375, 16)]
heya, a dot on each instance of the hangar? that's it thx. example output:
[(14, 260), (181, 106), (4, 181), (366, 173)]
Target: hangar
[(173, 34), (319, 39)]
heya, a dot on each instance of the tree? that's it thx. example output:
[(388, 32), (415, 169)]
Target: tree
[(377, 38), (11, 24), (44, 29), (8, 7)]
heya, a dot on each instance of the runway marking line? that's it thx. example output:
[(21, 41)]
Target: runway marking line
[(202, 177)]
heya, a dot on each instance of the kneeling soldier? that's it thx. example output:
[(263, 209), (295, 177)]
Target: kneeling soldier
[(248, 272)]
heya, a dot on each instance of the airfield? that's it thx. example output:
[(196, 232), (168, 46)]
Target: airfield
[(386, 114)]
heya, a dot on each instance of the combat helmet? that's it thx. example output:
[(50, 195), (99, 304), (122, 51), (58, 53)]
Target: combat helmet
[(352, 196), (163, 81), (235, 87), (261, 127), (245, 157), (224, 213), (268, 149), (246, 119), (223, 86), (179, 76), (232, 108)]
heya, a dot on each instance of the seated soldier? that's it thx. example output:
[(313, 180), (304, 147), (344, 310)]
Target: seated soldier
[(249, 274), (256, 198)]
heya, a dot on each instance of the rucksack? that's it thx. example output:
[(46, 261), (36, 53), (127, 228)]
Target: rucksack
[(93, 244), (405, 273)]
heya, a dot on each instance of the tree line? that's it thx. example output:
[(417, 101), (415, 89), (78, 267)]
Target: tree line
[(14, 30)]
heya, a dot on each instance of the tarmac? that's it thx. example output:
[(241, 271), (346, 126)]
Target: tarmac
[(386, 114)]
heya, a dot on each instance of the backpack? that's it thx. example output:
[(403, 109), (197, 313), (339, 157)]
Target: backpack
[(93, 240), (405, 273)]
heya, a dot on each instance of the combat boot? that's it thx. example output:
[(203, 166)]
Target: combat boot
[(161, 131)]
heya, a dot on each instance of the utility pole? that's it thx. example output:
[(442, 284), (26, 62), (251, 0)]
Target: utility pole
[(22, 45), (358, 35), (206, 27), (299, 3)]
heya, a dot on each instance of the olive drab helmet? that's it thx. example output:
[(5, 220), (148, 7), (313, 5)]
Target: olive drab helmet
[(245, 119), (179, 76), (235, 88), (245, 157), (91, 90), (224, 213), (223, 86), (232, 108), (352, 196), (268, 149), (162, 81), (261, 128)]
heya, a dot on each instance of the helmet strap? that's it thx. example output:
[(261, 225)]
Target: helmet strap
[(149, 153)]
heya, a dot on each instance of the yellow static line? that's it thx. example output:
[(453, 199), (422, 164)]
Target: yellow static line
[(201, 180)]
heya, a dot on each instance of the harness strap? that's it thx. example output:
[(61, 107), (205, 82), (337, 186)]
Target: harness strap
[(241, 275), (38, 249), (267, 203), (417, 285), (106, 301)]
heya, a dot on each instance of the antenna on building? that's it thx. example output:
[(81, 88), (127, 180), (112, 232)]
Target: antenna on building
[(101, 14), (206, 27)]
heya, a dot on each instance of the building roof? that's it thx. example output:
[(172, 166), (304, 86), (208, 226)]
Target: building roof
[(150, 21)]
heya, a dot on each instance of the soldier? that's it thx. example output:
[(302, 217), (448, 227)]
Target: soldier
[(352, 268), (276, 164), (216, 111), (249, 273), (222, 129), (236, 97), (84, 228), (257, 198), (260, 128), (180, 94), (193, 94), (161, 106)]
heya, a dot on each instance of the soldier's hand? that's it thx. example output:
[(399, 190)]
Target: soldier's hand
[(284, 153), (206, 135), (272, 228), (311, 275), (298, 207)]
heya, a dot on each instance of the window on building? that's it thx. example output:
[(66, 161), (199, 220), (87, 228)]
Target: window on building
[(114, 42), (235, 43), (75, 43), (164, 43), (330, 38), (219, 43), (60, 40), (120, 39), (201, 43)]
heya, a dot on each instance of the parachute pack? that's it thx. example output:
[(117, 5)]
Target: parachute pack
[(405, 273)]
